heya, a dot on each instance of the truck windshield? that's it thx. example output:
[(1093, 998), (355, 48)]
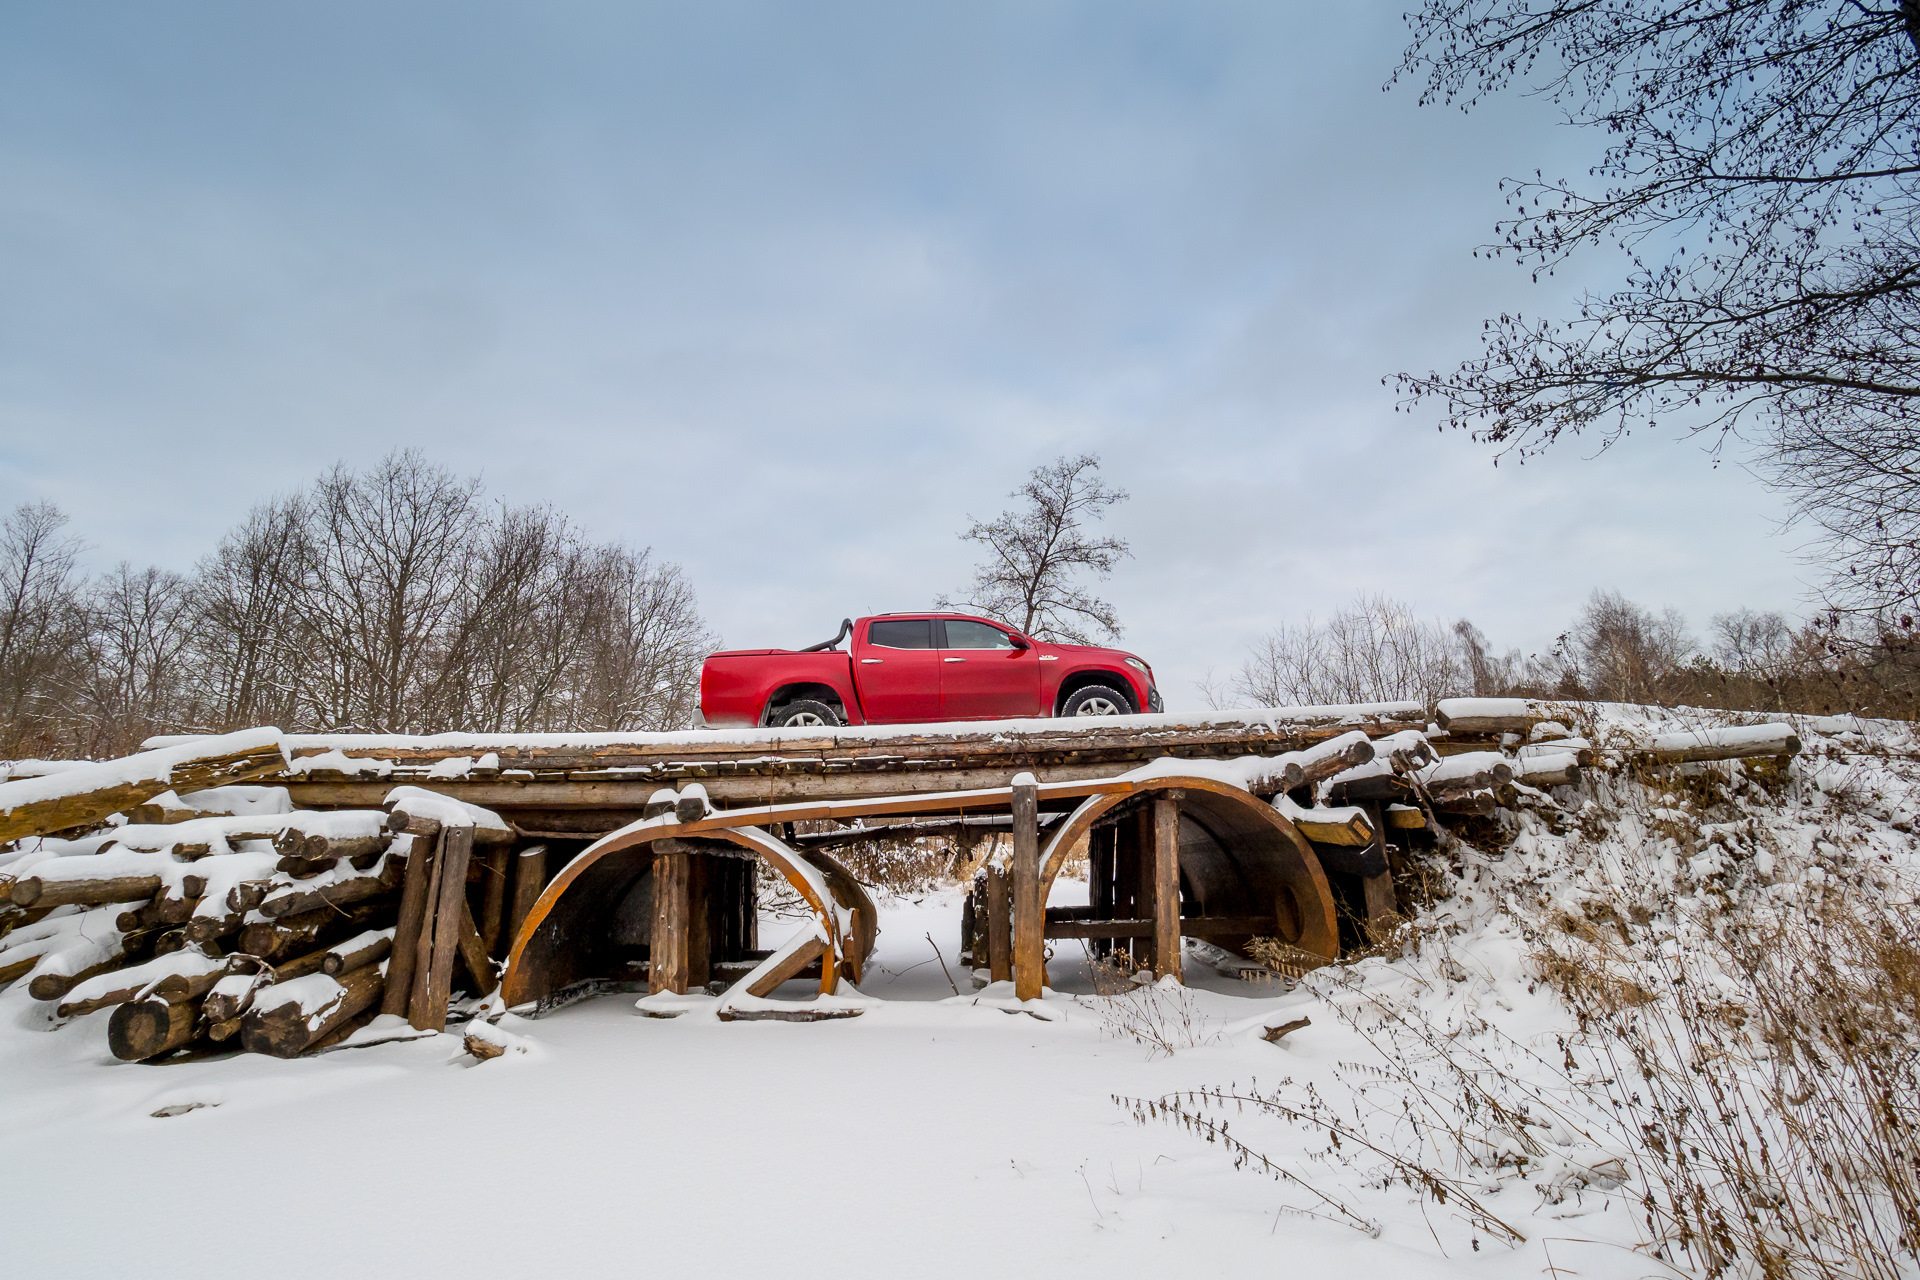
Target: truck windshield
[(976, 635), (901, 633)]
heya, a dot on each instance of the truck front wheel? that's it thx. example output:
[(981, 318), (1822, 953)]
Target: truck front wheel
[(1097, 700), (804, 714)]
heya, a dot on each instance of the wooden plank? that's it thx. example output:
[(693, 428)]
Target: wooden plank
[(456, 849), (1166, 885), (1029, 918), (999, 927), (797, 961), (667, 952)]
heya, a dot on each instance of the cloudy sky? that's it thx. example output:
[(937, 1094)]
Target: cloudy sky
[(788, 291)]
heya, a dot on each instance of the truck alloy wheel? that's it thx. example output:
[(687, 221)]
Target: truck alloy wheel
[(805, 714), (1097, 700)]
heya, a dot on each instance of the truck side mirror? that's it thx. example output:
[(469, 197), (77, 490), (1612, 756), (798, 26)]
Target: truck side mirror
[(1019, 641)]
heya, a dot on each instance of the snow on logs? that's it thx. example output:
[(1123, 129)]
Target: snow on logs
[(1737, 742), (135, 917), (78, 797)]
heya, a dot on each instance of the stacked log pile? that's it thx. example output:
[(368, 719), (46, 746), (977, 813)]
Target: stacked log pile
[(1481, 751), (223, 918)]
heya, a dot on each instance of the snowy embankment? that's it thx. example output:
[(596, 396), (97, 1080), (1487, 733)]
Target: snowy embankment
[(945, 1132)]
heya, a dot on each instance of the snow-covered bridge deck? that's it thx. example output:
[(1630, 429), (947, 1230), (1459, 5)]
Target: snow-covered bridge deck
[(587, 782)]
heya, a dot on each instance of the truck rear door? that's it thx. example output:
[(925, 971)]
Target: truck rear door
[(897, 670), (983, 676)]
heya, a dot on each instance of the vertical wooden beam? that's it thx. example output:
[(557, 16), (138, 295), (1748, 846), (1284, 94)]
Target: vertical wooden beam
[(1383, 904), (699, 920), (667, 953), (1100, 881), (1142, 946), (493, 897), (423, 946), (999, 927), (1166, 885), (456, 850), (1029, 913), (406, 929), (529, 878)]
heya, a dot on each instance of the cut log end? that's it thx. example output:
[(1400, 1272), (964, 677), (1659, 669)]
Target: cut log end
[(143, 1029)]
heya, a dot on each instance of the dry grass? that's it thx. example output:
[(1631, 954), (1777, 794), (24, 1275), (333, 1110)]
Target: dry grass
[(1131, 1006), (1769, 1079)]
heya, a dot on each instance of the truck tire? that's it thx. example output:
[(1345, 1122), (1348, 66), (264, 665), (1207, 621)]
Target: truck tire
[(804, 714), (1097, 700)]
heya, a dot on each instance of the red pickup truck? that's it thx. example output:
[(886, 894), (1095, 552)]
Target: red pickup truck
[(903, 668)]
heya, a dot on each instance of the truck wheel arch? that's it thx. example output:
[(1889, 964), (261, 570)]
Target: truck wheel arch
[(808, 691), (1078, 680)]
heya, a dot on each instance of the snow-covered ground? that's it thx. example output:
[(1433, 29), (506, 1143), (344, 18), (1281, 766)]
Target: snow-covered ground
[(951, 1134)]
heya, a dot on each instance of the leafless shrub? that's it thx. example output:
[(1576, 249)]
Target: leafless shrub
[(1375, 650), (1769, 1075), (1165, 1017)]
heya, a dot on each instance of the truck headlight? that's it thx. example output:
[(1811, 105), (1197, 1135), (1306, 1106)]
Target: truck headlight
[(1140, 666)]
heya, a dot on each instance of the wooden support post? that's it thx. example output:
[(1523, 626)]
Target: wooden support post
[(1166, 885), (1100, 881), (667, 953), (412, 997), (999, 927), (456, 850), (1142, 946), (699, 923), (1383, 905), (493, 897), (529, 878), (1029, 913)]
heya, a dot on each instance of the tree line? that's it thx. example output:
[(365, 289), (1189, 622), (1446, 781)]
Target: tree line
[(1615, 650), (397, 599)]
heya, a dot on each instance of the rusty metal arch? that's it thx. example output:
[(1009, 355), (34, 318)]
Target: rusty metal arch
[(1298, 867), (539, 963)]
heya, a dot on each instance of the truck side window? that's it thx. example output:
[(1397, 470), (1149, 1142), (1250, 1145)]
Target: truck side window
[(975, 635), (903, 633)]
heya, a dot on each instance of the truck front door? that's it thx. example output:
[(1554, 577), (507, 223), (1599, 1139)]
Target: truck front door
[(985, 676), (897, 669)]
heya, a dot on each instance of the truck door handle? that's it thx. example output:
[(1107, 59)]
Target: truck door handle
[(873, 659), (954, 659)]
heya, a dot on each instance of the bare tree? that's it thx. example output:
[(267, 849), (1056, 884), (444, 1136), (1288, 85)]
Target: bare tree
[(392, 599), (1492, 674), (250, 653), (1762, 179), (1375, 650), (42, 627), (1626, 652), (643, 643), (1038, 552), (383, 583), (137, 653)]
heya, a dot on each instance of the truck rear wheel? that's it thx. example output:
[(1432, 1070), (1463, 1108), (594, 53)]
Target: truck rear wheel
[(1097, 700), (804, 714)]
